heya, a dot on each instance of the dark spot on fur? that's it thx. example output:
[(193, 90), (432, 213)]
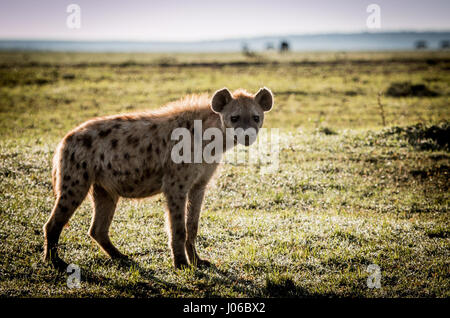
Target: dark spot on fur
[(141, 150), (109, 165), (114, 143), (86, 176), (86, 141), (78, 165), (157, 150), (127, 172), (134, 141), (149, 148), (74, 203), (126, 156), (188, 125), (63, 208), (66, 177), (102, 157), (181, 187), (64, 187), (72, 157), (115, 173), (84, 164), (117, 126), (70, 192), (153, 126), (104, 133)]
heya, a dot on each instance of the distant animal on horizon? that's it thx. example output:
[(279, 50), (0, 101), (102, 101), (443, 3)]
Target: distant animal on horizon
[(129, 156)]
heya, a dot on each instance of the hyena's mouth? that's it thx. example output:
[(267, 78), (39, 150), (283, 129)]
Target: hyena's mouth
[(248, 140)]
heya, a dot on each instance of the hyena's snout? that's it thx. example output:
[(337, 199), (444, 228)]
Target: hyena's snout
[(245, 137)]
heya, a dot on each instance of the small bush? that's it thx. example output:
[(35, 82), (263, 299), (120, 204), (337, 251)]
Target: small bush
[(327, 131), (424, 137), (406, 89)]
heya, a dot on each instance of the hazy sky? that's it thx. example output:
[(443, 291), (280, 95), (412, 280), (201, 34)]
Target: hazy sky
[(187, 20)]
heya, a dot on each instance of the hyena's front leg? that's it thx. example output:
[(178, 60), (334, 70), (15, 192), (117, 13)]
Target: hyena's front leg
[(176, 202), (195, 198)]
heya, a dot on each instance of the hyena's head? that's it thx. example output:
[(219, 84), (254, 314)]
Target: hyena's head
[(242, 111)]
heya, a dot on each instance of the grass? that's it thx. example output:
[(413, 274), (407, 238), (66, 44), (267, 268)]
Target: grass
[(350, 191)]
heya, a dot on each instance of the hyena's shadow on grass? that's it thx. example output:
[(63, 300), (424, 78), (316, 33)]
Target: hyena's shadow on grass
[(213, 274), (149, 285)]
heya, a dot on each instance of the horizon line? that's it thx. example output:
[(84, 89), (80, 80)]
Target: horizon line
[(246, 37)]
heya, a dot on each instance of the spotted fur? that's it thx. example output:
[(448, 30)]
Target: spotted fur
[(129, 156)]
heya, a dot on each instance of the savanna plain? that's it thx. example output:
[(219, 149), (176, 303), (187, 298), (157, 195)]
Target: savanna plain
[(363, 176)]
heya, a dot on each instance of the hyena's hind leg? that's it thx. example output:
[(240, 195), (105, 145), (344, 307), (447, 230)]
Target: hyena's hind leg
[(68, 197), (104, 206)]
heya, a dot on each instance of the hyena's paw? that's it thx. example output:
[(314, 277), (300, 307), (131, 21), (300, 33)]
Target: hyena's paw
[(59, 264), (122, 260), (119, 256), (203, 263), (52, 258), (180, 263)]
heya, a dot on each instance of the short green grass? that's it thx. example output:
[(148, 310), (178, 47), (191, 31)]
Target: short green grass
[(348, 193)]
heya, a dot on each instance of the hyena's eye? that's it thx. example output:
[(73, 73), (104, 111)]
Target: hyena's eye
[(256, 118), (234, 119)]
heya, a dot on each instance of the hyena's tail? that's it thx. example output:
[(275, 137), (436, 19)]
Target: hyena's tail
[(55, 171)]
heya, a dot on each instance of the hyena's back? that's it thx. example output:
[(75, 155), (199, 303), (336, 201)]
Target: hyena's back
[(122, 154)]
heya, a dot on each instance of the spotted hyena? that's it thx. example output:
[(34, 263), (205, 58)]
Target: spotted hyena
[(130, 156)]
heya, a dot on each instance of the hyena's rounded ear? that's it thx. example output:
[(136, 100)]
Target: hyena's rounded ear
[(220, 99), (264, 98)]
